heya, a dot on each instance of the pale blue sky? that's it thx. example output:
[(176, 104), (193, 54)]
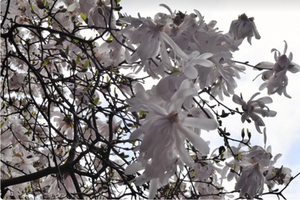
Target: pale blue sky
[(276, 21)]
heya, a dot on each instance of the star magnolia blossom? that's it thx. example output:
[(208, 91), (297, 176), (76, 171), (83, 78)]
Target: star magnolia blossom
[(153, 40), (276, 78), (244, 27), (163, 134), (251, 181), (254, 107)]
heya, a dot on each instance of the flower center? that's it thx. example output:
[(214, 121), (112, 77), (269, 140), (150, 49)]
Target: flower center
[(173, 117), (159, 27)]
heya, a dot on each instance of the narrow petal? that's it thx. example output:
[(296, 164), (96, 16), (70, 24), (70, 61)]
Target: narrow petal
[(174, 46), (190, 72), (236, 99), (186, 158), (153, 188), (197, 141), (137, 133), (265, 65), (265, 100), (201, 123), (134, 167)]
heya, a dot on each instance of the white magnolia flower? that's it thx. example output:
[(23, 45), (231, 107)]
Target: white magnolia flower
[(152, 40), (278, 176), (24, 160), (16, 81), (100, 15), (163, 135), (244, 27), (251, 181), (276, 78), (254, 107)]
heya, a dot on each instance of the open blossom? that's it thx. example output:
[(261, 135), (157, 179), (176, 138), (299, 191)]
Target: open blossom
[(278, 175), (254, 107), (153, 40), (24, 160), (275, 78), (244, 27), (163, 135), (251, 181), (16, 81)]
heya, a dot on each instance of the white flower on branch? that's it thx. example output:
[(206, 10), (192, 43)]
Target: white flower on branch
[(251, 181), (275, 78), (244, 27), (254, 107), (163, 133)]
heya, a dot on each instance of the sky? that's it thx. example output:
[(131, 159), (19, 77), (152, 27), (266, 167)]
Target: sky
[(276, 21)]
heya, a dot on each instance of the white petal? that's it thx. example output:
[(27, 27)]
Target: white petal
[(157, 110), (277, 157), (137, 133), (236, 99), (265, 100), (167, 7), (197, 141), (174, 46), (141, 180), (201, 123), (134, 167), (186, 158), (190, 72), (153, 188), (72, 7), (265, 65), (183, 93)]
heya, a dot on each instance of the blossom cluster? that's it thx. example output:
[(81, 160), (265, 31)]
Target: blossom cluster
[(70, 113)]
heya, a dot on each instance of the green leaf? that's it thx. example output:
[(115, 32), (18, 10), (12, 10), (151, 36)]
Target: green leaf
[(77, 59), (133, 142), (175, 70), (86, 64), (142, 113), (194, 172), (110, 38), (2, 124), (31, 7), (46, 61), (88, 87), (82, 16), (96, 100)]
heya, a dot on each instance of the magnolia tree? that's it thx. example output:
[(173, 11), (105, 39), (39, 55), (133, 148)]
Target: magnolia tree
[(77, 120)]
